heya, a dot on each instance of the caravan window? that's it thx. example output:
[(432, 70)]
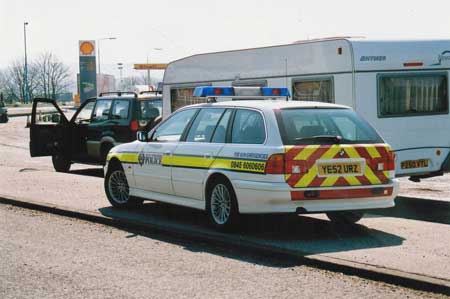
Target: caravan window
[(180, 97), (412, 94), (319, 90)]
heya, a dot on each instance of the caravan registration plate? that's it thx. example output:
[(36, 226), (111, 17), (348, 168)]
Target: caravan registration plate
[(408, 164)]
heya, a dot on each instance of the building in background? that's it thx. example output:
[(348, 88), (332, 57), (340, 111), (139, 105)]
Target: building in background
[(105, 83)]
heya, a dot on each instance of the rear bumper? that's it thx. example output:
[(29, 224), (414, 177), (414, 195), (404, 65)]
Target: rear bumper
[(261, 197)]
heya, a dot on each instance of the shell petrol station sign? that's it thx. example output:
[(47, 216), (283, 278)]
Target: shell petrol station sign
[(87, 47), (88, 71)]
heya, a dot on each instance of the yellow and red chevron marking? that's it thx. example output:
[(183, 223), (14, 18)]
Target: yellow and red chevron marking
[(305, 156)]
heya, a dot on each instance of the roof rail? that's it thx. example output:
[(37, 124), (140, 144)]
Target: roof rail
[(118, 93), (151, 91)]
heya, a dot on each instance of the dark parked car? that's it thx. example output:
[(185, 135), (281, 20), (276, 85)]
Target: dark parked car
[(98, 125), (3, 113)]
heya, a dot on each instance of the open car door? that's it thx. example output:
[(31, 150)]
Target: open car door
[(49, 133)]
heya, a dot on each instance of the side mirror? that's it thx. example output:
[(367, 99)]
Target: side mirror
[(142, 136), (105, 112)]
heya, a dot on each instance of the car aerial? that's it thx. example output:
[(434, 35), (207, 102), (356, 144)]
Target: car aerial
[(98, 125), (3, 113), (266, 156)]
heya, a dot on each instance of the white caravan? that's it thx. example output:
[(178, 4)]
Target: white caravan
[(401, 87)]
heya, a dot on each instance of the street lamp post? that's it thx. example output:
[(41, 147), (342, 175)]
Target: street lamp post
[(25, 71), (148, 70), (120, 67), (98, 51)]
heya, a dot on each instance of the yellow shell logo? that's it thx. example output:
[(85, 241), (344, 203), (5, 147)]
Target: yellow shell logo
[(86, 48)]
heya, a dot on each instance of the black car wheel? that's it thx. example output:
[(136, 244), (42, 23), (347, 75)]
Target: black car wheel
[(117, 189), (60, 163), (221, 205)]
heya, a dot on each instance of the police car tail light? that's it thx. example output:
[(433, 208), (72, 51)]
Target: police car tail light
[(390, 163), (385, 163), (275, 164), (134, 125)]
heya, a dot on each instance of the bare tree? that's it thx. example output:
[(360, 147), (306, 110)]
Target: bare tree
[(14, 82), (53, 76), (129, 83), (2, 81)]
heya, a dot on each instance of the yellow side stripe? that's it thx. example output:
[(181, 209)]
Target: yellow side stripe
[(197, 162), (240, 165), (124, 157), (187, 161)]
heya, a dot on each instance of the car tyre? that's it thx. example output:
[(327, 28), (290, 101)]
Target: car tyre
[(117, 189), (61, 163), (222, 206), (345, 217)]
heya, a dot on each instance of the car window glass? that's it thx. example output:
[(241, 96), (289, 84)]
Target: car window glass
[(120, 109), (304, 126), (172, 129), (203, 127), (54, 117), (101, 111), (150, 109), (220, 133), (248, 127), (84, 116)]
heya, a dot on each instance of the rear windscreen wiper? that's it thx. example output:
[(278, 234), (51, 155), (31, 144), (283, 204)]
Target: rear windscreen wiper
[(329, 138)]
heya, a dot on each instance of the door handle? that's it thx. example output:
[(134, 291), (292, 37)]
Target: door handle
[(167, 153), (207, 155)]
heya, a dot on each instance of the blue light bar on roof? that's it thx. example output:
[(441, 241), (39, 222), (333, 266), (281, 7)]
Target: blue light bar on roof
[(213, 91), (227, 91), (275, 91)]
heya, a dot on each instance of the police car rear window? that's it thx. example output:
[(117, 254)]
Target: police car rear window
[(324, 126)]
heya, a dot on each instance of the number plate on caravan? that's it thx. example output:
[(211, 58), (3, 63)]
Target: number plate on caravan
[(414, 163), (340, 168)]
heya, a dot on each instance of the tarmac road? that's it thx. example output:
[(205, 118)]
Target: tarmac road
[(48, 256), (413, 239)]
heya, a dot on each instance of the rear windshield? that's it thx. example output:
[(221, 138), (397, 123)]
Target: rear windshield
[(324, 126), (150, 109)]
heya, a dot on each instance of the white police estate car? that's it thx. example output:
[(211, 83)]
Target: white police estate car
[(249, 156)]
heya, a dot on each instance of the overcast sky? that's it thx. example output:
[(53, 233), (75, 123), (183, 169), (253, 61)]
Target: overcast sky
[(183, 27)]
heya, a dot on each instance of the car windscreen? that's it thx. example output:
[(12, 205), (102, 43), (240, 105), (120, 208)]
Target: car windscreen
[(150, 109), (324, 126)]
